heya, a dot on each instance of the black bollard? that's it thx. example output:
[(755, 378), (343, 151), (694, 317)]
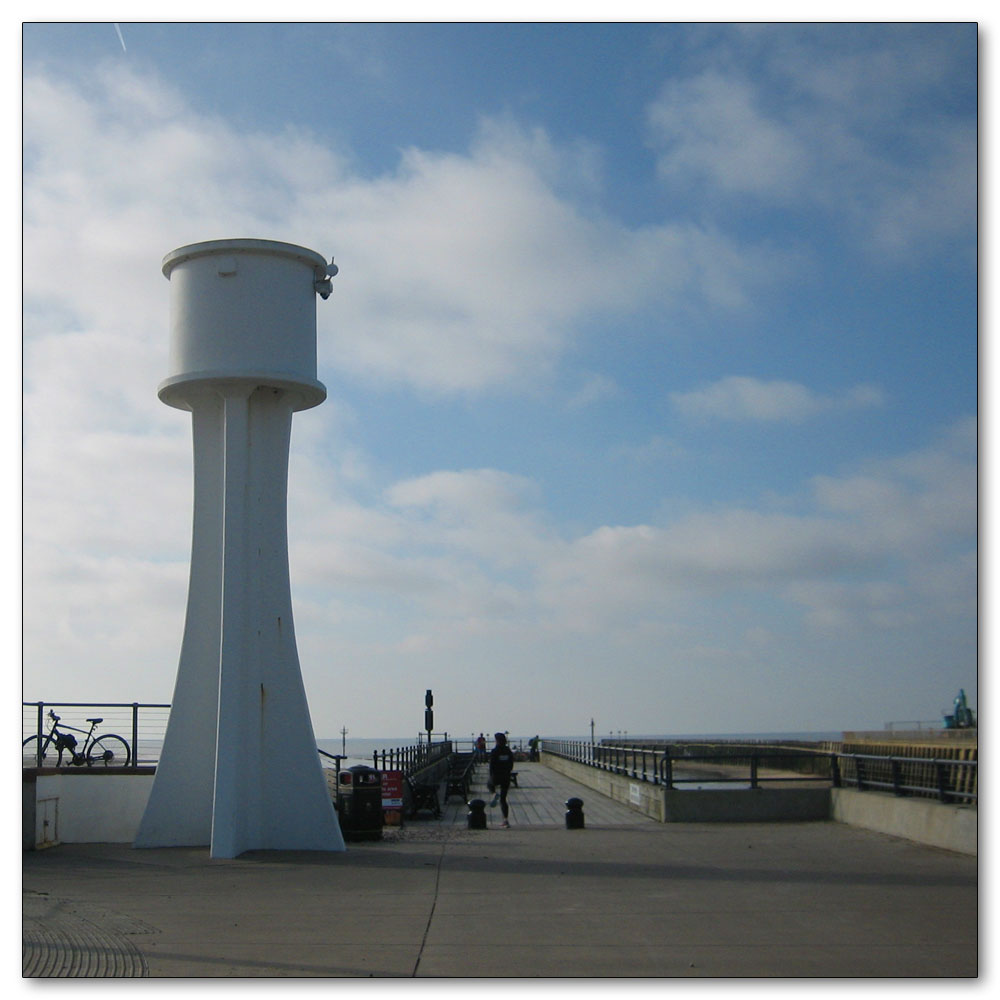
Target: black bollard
[(574, 814), (477, 814)]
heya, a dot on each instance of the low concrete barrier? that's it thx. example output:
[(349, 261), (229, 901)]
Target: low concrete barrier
[(746, 805), (925, 821), (936, 824), (729, 805), (638, 795), (83, 807)]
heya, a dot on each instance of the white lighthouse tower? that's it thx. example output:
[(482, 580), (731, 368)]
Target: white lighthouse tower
[(239, 769)]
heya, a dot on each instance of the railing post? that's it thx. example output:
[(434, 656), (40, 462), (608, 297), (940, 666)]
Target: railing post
[(835, 770), (897, 776), (942, 781), (859, 767), (135, 734), (38, 742), (668, 771), (753, 771)]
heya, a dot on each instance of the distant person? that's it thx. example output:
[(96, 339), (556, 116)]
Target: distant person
[(533, 745), (501, 764), (481, 748)]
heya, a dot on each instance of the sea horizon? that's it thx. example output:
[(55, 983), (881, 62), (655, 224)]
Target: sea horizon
[(360, 750)]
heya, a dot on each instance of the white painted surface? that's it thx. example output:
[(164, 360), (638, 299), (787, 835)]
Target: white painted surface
[(244, 310), (90, 808), (239, 769)]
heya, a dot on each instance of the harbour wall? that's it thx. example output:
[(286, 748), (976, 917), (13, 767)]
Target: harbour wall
[(924, 821), (730, 805)]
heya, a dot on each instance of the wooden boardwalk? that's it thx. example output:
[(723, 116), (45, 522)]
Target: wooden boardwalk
[(539, 799)]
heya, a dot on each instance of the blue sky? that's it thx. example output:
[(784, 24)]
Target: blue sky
[(652, 364)]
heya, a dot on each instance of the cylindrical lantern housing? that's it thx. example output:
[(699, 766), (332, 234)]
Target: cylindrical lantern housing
[(243, 311)]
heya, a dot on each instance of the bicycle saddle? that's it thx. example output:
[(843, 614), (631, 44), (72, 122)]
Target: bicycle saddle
[(95, 721)]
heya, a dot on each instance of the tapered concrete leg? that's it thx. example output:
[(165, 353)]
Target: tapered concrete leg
[(239, 768)]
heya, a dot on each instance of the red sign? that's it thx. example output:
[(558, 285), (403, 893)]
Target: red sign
[(392, 789)]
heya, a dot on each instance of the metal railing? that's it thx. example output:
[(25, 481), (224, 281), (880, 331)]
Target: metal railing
[(954, 781), (142, 725), (408, 759), (411, 759), (947, 780)]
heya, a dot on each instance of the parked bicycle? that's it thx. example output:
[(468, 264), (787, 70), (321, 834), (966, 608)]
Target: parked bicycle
[(108, 750)]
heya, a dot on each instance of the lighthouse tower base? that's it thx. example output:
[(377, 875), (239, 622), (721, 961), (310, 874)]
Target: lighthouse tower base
[(239, 768)]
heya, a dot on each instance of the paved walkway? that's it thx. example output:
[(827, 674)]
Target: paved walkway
[(618, 899), (539, 799)]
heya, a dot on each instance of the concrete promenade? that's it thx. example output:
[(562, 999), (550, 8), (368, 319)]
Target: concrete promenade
[(625, 897)]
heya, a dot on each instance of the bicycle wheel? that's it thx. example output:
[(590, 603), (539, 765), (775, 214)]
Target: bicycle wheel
[(109, 751), (29, 751)]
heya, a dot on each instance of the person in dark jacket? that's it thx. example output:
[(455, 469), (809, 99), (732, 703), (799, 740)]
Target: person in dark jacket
[(501, 764)]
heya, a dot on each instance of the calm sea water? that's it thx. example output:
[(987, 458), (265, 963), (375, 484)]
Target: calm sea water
[(359, 751)]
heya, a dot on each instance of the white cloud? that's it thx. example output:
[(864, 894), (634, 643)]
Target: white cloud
[(472, 544), (458, 272), (710, 127), (740, 397), (865, 133), (464, 567), (594, 388)]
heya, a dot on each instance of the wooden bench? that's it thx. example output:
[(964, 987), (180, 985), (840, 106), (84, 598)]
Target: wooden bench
[(423, 797), (513, 779), (460, 777)]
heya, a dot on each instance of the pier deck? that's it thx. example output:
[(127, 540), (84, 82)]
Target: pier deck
[(540, 800), (624, 897)]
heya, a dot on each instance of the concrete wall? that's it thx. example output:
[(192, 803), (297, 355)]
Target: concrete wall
[(83, 808), (924, 821), (638, 795), (730, 805), (954, 828), (746, 805)]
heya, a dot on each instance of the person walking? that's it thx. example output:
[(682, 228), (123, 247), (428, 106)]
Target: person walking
[(501, 764)]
